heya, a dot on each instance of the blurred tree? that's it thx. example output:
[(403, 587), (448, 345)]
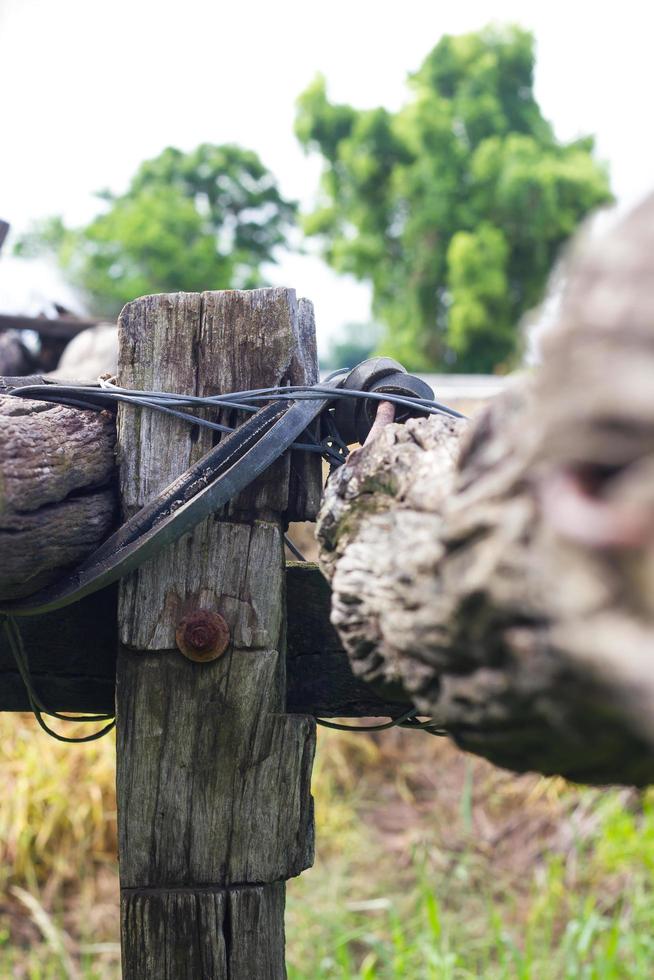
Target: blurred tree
[(454, 207), (207, 219), (356, 342)]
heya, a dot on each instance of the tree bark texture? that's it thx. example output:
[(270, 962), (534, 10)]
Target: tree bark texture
[(214, 801), (498, 572), (501, 571), (57, 501)]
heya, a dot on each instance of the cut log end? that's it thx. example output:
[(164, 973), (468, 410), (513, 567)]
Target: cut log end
[(521, 619)]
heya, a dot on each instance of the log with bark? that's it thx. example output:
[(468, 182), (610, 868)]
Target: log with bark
[(498, 573), (57, 493), (501, 572)]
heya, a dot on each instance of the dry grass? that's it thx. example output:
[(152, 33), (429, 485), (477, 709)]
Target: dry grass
[(423, 853), (57, 845)]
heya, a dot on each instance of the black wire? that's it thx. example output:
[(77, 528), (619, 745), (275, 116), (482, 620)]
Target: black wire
[(293, 548), (237, 400), (332, 447), (407, 721), (61, 398), (335, 374), (17, 648), (393, 723), (341, 452)]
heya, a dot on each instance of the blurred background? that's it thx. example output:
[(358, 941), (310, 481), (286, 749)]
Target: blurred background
[(416, 171)]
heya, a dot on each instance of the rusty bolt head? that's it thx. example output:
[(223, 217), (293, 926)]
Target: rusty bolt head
[(202, 635)]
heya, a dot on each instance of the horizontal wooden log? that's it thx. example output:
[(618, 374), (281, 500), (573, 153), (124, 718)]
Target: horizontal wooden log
[(502, 571), (501, 574), (58, 328), (56, 499), (71, 654), (72, 657), (319, 679)]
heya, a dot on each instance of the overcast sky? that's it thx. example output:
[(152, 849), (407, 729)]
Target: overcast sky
[(90, 89)]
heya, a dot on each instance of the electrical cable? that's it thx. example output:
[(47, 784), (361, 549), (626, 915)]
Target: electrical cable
[(293, 548), (239, 400), (393, 723), (17, 648), (332, 447)]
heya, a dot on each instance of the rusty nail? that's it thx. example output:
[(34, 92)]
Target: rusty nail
[(202, 635), (384, 416)]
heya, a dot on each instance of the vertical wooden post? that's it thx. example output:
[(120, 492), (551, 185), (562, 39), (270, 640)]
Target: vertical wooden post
[(214, 804)]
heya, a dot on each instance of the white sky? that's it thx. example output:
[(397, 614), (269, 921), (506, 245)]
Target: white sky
[(90, 89)]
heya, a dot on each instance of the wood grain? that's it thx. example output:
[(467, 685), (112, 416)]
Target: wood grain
[(213, 777), (56, 502), (189, 933)]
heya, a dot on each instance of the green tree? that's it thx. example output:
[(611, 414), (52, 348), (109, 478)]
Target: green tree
[(207, 219), (454, 207)]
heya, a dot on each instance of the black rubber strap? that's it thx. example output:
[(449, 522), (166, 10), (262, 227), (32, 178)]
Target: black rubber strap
[(203, 489)]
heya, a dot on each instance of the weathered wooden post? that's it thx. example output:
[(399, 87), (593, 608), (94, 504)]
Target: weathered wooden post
[(214, 802)]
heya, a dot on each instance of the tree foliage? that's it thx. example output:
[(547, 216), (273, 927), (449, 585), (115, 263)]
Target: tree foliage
[(454, 207), (207, 219)]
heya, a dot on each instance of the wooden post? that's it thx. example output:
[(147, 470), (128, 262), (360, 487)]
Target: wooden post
[(214, 804)]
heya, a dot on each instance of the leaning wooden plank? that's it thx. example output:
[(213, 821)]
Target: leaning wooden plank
[(214, 803), (503, 572)]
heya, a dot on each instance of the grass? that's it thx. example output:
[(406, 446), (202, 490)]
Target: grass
[(565, 935), (430, 864), (505, 877)]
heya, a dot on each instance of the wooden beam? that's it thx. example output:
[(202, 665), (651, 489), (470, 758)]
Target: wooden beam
[(319, 679), (59, 328), (72, 656), (213, 780), (57, 502)]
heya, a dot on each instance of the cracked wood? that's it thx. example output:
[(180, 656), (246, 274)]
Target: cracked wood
[(56, 501), (213, 776)]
